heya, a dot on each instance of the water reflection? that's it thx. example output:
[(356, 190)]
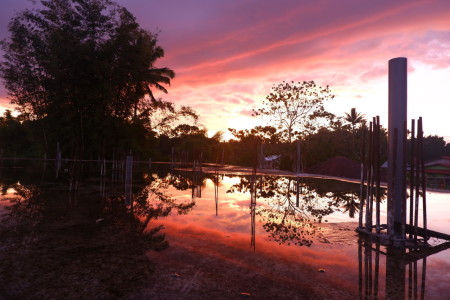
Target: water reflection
[(293, 206), (283, 208), (87, 234), (405, 270)]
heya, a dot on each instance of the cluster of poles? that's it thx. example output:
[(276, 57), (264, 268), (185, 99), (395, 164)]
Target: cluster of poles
[(370, 190), (405, 274), (371, 169), (417, 185)]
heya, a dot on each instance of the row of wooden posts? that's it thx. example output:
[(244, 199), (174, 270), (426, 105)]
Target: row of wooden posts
[(370, 190)]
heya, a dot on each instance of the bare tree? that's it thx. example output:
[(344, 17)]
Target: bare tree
[(296, 108)]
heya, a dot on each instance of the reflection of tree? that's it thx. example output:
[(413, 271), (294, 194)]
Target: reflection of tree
[(293, 204), (152, 203), (81, 241), (26, 211), (282, 219)]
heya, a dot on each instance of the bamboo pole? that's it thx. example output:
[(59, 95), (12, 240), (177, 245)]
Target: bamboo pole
[(361, 187), (378, 179), (417, 168), (422, 169), (369, 181), (404, 172), (411, 173)]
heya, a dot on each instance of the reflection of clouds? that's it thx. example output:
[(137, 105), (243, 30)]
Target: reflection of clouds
[(438, 275)]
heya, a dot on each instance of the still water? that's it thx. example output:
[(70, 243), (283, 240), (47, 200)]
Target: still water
[(264, 234)]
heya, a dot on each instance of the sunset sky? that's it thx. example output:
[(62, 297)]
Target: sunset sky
[(228, 54)]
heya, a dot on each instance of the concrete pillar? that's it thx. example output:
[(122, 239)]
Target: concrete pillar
[(396, 144)]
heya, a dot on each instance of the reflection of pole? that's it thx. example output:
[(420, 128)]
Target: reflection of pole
[(360, 269), (261, 156), (216, 192), (424, 275), (253, 210), (223, 154), (395, 274), (172, 159), (377, 271)]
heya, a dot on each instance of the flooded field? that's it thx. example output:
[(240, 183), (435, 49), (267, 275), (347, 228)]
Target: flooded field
[(232, 236)]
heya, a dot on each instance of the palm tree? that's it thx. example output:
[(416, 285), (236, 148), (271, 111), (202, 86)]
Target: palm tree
[(354, 118)]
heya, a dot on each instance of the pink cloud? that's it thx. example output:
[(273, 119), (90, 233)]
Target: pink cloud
[(246, 112)]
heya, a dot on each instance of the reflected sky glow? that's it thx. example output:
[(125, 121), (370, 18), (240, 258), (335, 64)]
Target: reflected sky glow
[(227, 237)]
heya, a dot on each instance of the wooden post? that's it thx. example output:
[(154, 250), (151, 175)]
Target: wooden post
[(378, 175), (404, 184), (361, 188), (128, 180), (261, 156), (58, 159), (172, 159), (417, 167), (411, 174), (422, 169), (299, 157), (369, 181)]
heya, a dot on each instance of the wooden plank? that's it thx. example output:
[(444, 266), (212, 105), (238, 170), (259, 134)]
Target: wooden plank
[(426, 232)]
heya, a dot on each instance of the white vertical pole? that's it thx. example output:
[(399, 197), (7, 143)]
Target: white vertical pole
[(397, 120)]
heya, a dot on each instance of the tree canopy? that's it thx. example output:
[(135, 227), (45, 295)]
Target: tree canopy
[(296, 108), (81, 66)]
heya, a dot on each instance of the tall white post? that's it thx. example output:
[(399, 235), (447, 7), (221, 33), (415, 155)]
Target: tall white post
[(396, 144)]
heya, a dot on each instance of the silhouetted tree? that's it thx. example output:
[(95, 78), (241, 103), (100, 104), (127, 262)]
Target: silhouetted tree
[(81, 68), (296, 108), (354, 118)]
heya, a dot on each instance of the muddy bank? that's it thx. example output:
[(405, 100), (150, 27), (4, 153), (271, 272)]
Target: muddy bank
[(73, 252), (209, 265)]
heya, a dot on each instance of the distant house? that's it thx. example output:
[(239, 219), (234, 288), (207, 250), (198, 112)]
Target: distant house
[(438, 172), (272, 162), (339, 166), (438, 167)]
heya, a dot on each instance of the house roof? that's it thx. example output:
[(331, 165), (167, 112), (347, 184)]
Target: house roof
[(442, 161), (271, 158)]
